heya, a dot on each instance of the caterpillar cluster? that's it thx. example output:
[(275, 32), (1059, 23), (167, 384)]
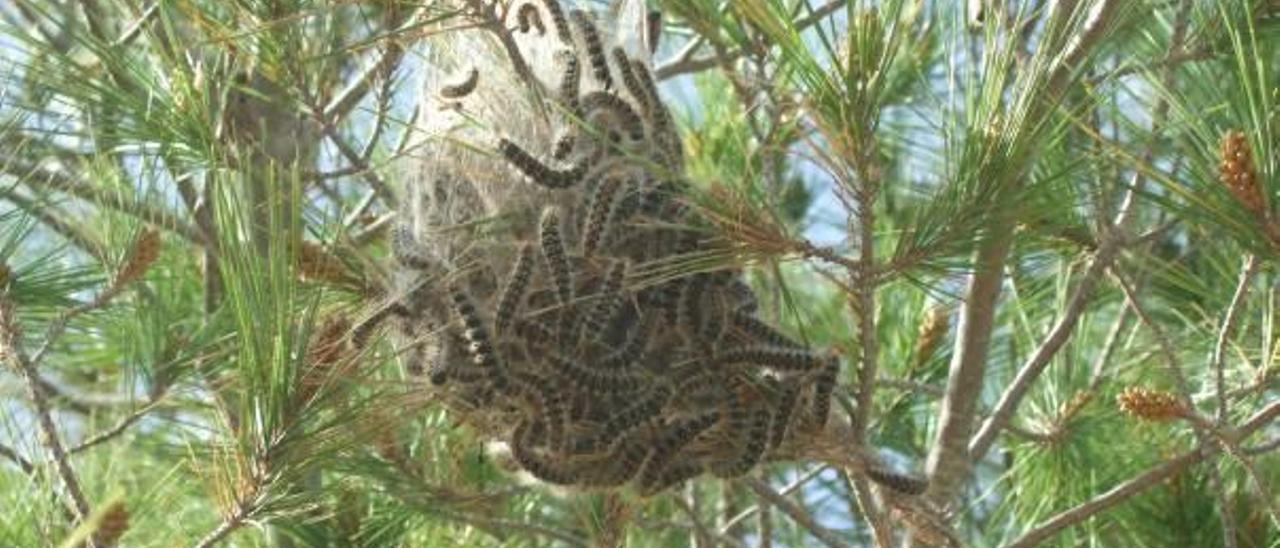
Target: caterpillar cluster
[(529, 311)]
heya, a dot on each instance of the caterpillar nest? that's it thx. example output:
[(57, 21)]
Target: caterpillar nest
[(524, 251)]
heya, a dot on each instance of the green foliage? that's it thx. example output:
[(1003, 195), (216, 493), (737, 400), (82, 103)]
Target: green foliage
[(860, 162)]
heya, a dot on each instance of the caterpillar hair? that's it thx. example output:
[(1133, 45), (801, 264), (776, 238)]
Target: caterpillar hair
[(521, 440), (362, 331), (621, 423), (480, 345), (597, 381), (747, 424), (760, 332), (563, 147), (631, 350)]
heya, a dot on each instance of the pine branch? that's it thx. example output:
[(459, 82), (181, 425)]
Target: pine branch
[(58, 179), (949, 457), (1138, 484), (11, 349)]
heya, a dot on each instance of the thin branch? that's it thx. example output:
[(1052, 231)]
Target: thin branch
[(1262, 448), (13, 456), (871, 509), (799, 515), (799, 482), (1229, 321), (1057, 337), (685, 63), (73, 233), (387, 63), (490, 21), (11, 349), (702, 533), (135, 28), (532, 529), (1138, 484), (228, 525), (1116, 495), (329, 130), (116, 430)]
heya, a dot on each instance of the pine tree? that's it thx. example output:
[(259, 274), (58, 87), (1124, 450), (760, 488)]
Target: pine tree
[(664, 273)]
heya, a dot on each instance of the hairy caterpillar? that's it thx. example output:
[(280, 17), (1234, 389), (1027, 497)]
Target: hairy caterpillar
[(553, 252), (674, 438), (569, 82), (595, 51), (602, 102), (407, 251), (558, 20), (477, 336), (624, 421), (537, 171), (521, 442), (513, 292), (822, 389), (761, 332), (631, 81), (773, 357), (595, 380), (901, 483), (601, 212), (789, 398), (608, 300), (527, 17), (463, 88)]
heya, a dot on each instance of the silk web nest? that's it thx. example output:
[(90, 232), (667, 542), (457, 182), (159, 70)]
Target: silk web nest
[(525, 254)]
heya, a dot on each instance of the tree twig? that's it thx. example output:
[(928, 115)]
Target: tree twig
[(799, 515), (1229, 321), (12, 351), (116, 430), (685, 63), (13, 456), (799, 482)]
